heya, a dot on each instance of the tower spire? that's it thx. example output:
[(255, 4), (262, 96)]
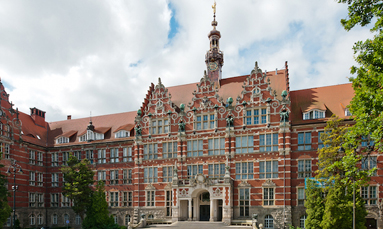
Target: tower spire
[(214, 56)]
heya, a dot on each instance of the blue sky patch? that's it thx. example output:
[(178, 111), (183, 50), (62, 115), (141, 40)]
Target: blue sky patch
[(173, 23)]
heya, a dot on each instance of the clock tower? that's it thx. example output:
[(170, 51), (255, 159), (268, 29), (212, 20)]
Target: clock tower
[(214, 57)]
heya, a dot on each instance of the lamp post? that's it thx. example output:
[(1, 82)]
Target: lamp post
[(13, 168)]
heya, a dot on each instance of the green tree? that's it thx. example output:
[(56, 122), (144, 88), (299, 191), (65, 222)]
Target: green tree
[(367, 104), (315, 205), (78, 178), (5, 209), (97, 214)]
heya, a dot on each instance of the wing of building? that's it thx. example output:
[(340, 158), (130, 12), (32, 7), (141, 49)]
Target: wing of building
[(214, 150)]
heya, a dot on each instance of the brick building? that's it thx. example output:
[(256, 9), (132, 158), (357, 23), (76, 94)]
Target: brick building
[(217, 150)]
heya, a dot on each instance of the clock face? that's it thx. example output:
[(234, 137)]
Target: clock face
[(213, 66)]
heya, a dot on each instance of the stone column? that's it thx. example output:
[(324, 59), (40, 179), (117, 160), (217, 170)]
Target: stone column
[(190, 209), (211, 210)]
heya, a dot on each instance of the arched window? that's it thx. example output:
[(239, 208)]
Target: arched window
[(150, 216), (66, 218), (40, 219), (302, 221), (269, 221), (115, 219), (32, 219), (54, 219), (127, 219), (78, 220)]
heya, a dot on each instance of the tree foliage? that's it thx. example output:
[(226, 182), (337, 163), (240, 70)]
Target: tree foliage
[(315, 205), (78, 178), (5, 209), (367, 104)]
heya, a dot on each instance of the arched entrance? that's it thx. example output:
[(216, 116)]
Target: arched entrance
[(204, 207)]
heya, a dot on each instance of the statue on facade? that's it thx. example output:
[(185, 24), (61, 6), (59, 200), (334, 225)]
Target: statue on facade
[(230, 121), (284, 114), (181, 126), (138, 130)]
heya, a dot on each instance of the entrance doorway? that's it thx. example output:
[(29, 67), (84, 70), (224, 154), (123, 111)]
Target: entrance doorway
[(371, 223), (204, 212)]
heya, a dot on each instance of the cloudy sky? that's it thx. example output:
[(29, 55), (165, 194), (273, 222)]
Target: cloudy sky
[(76, 57)]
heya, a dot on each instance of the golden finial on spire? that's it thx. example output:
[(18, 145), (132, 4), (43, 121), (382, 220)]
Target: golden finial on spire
[(214, 7)]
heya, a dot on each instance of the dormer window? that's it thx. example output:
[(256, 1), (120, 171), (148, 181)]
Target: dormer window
[(91, 136), (62, 140), (347, 112), (313, 114), (122, 134)]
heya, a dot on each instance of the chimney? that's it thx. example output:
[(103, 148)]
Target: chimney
[(69, 117), (38, 116)]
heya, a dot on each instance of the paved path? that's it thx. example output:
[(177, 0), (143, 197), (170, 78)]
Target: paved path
[(196, 224)]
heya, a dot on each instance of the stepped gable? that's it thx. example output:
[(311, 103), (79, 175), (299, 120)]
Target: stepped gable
[(333, 99)]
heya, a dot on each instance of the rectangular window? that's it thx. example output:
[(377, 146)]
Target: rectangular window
[(32, 157), (32, 178), (150, 174), (113, 201), (205, 122), (150, 151), (268, 196), (89, 155), (268, 142), (195, 148), (369, 162), (160, 126), (169, 198), (127, 154), (268, 169), (101, 175), (369, 195), (55, 200), (255, 116), (114, 177), (65, 158), (169, 149), (149, 198), (244, 202), (244, 170), (304, 168), (55, 179), (101, 156), (77, 154), (5, 149), (127, 176), (244, 144), (216, 146), (40, 158), (167, 173), (127, 200), (320, 142), (114, 155), (65, 201), (194, 170), (39, 179), (216, 170), (32, 200), (301, 196), (40, 200), (304, 141)]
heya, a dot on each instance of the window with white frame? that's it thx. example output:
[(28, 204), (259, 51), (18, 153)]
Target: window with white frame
[(65, 201), (54, 200), (89, 155), (66, 218), (302, 221), (40, 200), (169, 198), (369, 195), (301, 196), (204, 122), (122, 134), (40, 158), (194, 170), (32, 200), (169, 149), (167, 173), (268, 142), (127, 176), (101, 156), (127, 219), (369, 162), (78, 220), (40, 219), (32, 219), (150, 151), (149, 198), (367, 142), (269, 221), (347, 112), (62, 140), (304, 168), (114, 155), (32, 178), (304, 141), (160, 126), (127, 200), (65, 157), (195, 148), (244, 170), (255, 116), (40, 178), (268, 169), (9, 220), (244, 144), (127, 154), (216, 146), (32, 157), (244, 202), (150, 174), (54, 219), (216, 170), (268, 196), (114, 177), (77, 154), (55, 179), (313, 114), (5, 149), (113, 199), (55, 159), (115, 219), (101, 175)]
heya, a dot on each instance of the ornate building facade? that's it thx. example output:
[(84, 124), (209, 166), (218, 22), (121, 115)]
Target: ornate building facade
[(216, 150)]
